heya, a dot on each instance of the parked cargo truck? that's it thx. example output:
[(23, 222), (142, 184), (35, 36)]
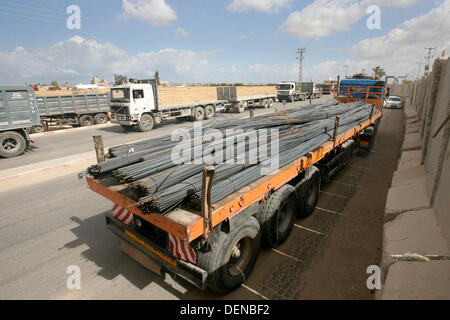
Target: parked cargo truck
[(298, 91), (18, 114), (79, 109), (137, 105), (220, 243)]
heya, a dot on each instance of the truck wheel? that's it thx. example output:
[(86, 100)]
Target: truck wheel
[(86, 121), (278, 216), (241, 106), (146, 123), (310, 196), (209, 112), (39, 129), (270, 103), (232, 256), (265, 103), (199, 114), (127, 128), (12, 144), (100, 118)]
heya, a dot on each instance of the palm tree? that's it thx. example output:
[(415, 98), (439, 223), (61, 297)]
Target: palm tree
[(55, 85), (378, 72)]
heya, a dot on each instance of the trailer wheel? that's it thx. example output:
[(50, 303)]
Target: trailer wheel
[(241, 106), (86, 121), (199, 114), (146, 123), (278, 216), (265, 103), (39, 129), (127, 128), (310, 196), (232, 256), (12, 144), (209, 112), (100, 118), (270, 103)]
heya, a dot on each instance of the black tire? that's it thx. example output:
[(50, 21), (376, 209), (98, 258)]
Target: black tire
[(86, 120), (209, 112), (100, 118), (270, 103), (278, 215), (199, 114), (146, 123), (12, 144), (224, 271), (310, 195), (127, 128), (39, 129)]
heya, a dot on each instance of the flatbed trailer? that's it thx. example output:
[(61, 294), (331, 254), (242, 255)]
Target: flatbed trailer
[(218, 245)]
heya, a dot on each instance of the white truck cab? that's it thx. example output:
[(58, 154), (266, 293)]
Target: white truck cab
[(134, 104), (285, 91)]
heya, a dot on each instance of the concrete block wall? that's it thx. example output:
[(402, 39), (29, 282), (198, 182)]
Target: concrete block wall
[(416, 240)]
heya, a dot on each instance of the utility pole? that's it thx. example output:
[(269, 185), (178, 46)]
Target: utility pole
[(428, 60), (346, 71), (300, 57)]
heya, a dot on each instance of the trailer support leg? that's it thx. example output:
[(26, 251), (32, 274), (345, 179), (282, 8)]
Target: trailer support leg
[(336, 126), (208, 175), (99, 149)]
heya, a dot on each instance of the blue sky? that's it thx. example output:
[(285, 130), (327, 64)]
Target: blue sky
[(215, 41)]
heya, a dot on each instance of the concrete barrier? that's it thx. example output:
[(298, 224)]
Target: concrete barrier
[(417, 209)]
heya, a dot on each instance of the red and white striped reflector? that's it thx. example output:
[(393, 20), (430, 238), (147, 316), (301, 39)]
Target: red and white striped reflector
[(123, 214), (181, 249)]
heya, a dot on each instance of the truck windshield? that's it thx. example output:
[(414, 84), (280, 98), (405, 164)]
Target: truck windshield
[(284, 87), (120, 94)]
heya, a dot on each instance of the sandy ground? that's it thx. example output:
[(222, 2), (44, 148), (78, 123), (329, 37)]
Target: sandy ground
[(182, 94)]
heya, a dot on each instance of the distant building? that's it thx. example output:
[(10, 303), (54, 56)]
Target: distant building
[(97, 81)]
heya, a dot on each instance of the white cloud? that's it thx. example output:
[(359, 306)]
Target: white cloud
[(269, 6), (326, 17), (245, 36), (399, 52), (155, 12), (181, 32)]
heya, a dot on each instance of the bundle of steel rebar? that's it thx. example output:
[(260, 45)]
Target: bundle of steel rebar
[(160, 184)]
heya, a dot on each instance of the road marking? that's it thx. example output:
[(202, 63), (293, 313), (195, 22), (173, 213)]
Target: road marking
[(366, 168), (254, 291), (286, 255), (334, 194), (311, 230), (345, 184), (330, 211), (346, 174)]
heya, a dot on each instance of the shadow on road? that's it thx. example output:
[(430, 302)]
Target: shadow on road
[(104, 250)]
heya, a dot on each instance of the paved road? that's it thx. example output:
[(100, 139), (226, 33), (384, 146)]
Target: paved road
[(50, 220), (66, 144)]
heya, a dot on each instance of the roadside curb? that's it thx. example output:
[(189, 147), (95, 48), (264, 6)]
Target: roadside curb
[(45, 165), (33, 135)]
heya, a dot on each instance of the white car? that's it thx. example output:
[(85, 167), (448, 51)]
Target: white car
[(394, 102)]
